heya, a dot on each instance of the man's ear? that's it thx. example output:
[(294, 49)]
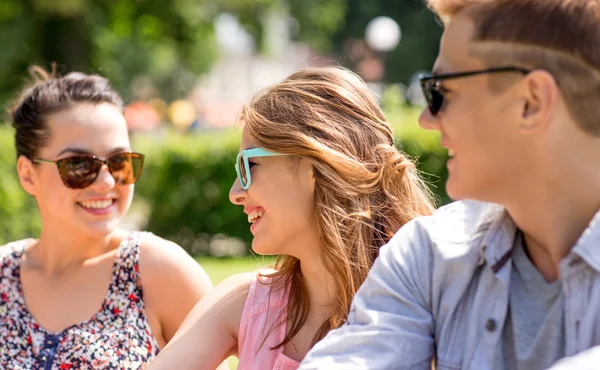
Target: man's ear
[(541, 98), (27, 174)]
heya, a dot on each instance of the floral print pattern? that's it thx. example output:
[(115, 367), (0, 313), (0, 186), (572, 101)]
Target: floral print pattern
[(118, 336)]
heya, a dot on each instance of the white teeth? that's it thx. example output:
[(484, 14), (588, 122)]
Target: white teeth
[(97, 204), (450, 152), (255, 215)]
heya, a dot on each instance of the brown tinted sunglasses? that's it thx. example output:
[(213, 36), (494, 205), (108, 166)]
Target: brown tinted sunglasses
[(80, 171)]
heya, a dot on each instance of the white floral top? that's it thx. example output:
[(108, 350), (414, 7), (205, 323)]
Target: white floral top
[(118, 336)]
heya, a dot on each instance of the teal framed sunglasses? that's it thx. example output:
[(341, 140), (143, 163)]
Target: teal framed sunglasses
[(242, 166)]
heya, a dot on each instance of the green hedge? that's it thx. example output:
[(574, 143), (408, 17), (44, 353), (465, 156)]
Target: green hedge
[(183, 192), (18, 212)]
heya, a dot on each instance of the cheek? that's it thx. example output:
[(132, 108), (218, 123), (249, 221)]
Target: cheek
[(125, 194), (286, 201), (57, 201), (50, 188), (299, 207)]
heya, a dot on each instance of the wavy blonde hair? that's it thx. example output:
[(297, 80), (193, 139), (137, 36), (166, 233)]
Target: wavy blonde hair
[(365, 188)]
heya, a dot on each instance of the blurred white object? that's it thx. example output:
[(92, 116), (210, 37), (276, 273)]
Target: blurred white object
[(414, 94), (383, 34), (231, 35)]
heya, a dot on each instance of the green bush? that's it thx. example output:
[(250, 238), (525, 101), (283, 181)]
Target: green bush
[(186, 184), (186, 180), (188, 177), (18, 213), (424, 147)]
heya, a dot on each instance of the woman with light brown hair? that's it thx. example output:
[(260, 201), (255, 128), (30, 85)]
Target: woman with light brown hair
[(324, 188)]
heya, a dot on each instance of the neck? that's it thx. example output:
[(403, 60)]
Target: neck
[(553, 212), (57, 251), (320, 286)]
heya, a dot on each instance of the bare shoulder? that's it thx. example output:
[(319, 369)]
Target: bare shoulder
[(224, 304), (234, 290), (237, 285), (154, 248), (161, 259), (172, 281)]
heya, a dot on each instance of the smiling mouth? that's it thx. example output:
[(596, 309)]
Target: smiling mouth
[(451, 153), (255, 216), (97, 204)]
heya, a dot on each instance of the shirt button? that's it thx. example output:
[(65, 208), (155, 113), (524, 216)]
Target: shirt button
[(490, 325)]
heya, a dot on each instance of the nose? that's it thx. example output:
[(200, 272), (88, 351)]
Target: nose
[(428, 121), (237, 195), (105, 181)]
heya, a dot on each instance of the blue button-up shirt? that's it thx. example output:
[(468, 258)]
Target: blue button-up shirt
[(439, 293)]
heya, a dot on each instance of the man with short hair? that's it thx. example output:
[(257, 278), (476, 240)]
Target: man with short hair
[(508, 277)]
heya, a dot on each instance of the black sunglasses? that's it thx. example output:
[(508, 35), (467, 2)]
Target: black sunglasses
[(80, 171), (430, 84)]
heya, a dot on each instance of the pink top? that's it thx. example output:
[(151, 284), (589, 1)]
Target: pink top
[(261, 312)]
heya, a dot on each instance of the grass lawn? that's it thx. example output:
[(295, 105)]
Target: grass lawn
[(220, 268)]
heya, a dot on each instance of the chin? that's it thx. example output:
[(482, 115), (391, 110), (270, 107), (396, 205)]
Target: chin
[(101, 228), (453, 189), (457, 190), (471, 190), (264, 249)]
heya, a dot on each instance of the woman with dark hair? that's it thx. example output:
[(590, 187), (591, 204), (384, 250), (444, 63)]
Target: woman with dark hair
[(86, 294)]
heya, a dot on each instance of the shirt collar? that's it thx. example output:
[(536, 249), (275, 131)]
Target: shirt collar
[(587, 246), (499, 232)]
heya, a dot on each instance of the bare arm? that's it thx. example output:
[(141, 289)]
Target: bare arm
[(209, 333)]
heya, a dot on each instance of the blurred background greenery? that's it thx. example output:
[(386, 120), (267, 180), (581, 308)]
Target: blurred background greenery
[(185, 67), (172, 43), (183, 192)]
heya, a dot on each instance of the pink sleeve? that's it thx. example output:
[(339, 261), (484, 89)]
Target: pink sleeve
[(247, 312), (262, 311)]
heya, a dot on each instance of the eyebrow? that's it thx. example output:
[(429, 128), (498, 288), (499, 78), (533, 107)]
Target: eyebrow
[(79, 151)]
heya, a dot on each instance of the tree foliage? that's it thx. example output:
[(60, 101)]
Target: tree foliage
[(171, 42), (420, 35)]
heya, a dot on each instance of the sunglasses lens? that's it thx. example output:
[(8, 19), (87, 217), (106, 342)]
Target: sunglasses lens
[(126, 168), (242, 174), (436, 102), (78, 172)]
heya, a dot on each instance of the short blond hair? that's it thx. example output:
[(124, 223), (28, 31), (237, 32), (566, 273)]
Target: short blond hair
[(560, 36)]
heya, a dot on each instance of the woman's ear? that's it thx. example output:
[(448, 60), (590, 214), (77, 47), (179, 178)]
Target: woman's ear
[(306, 172), (27, 174)]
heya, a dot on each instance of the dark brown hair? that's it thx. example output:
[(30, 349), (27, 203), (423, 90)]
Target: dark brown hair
[(51, 94), (560, 36), (365, 188)]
